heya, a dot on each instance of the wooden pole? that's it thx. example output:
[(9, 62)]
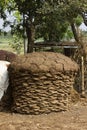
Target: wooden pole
[(83, 88)]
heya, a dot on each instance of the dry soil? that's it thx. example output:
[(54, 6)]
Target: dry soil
[(73, 119)]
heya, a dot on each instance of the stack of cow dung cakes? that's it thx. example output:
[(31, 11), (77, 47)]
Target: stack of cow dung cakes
[(41, 82), (7, 56)]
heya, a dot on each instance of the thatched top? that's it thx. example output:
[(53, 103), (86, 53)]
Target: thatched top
[(44, 61)]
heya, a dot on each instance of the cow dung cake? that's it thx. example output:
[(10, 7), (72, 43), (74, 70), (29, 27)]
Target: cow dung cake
[(7, 56), (41, 82)]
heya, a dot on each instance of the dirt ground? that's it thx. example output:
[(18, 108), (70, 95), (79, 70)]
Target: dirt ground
[(73, 119)]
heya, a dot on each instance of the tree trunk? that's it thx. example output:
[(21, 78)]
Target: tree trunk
[(25, 45), (24, 34), (74, 32), (30, 36)]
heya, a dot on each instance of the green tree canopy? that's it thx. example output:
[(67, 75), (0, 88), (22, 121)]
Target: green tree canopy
[(48, 18)]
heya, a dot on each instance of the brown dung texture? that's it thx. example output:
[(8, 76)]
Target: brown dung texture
[(7, 56), (41, 82)]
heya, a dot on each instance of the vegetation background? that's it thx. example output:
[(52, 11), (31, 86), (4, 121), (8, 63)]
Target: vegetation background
[(53, 20)]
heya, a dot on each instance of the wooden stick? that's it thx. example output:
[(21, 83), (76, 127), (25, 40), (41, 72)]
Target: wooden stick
[(83, 88)]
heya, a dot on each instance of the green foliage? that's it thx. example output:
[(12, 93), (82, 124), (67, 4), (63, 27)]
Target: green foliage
[(68, 34), (78, 20), (2, 7), (17, 44), (49, 18), (51, 29), (17, 15)]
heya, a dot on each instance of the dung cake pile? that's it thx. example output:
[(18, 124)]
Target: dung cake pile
[(7, 56), (41, 82)]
